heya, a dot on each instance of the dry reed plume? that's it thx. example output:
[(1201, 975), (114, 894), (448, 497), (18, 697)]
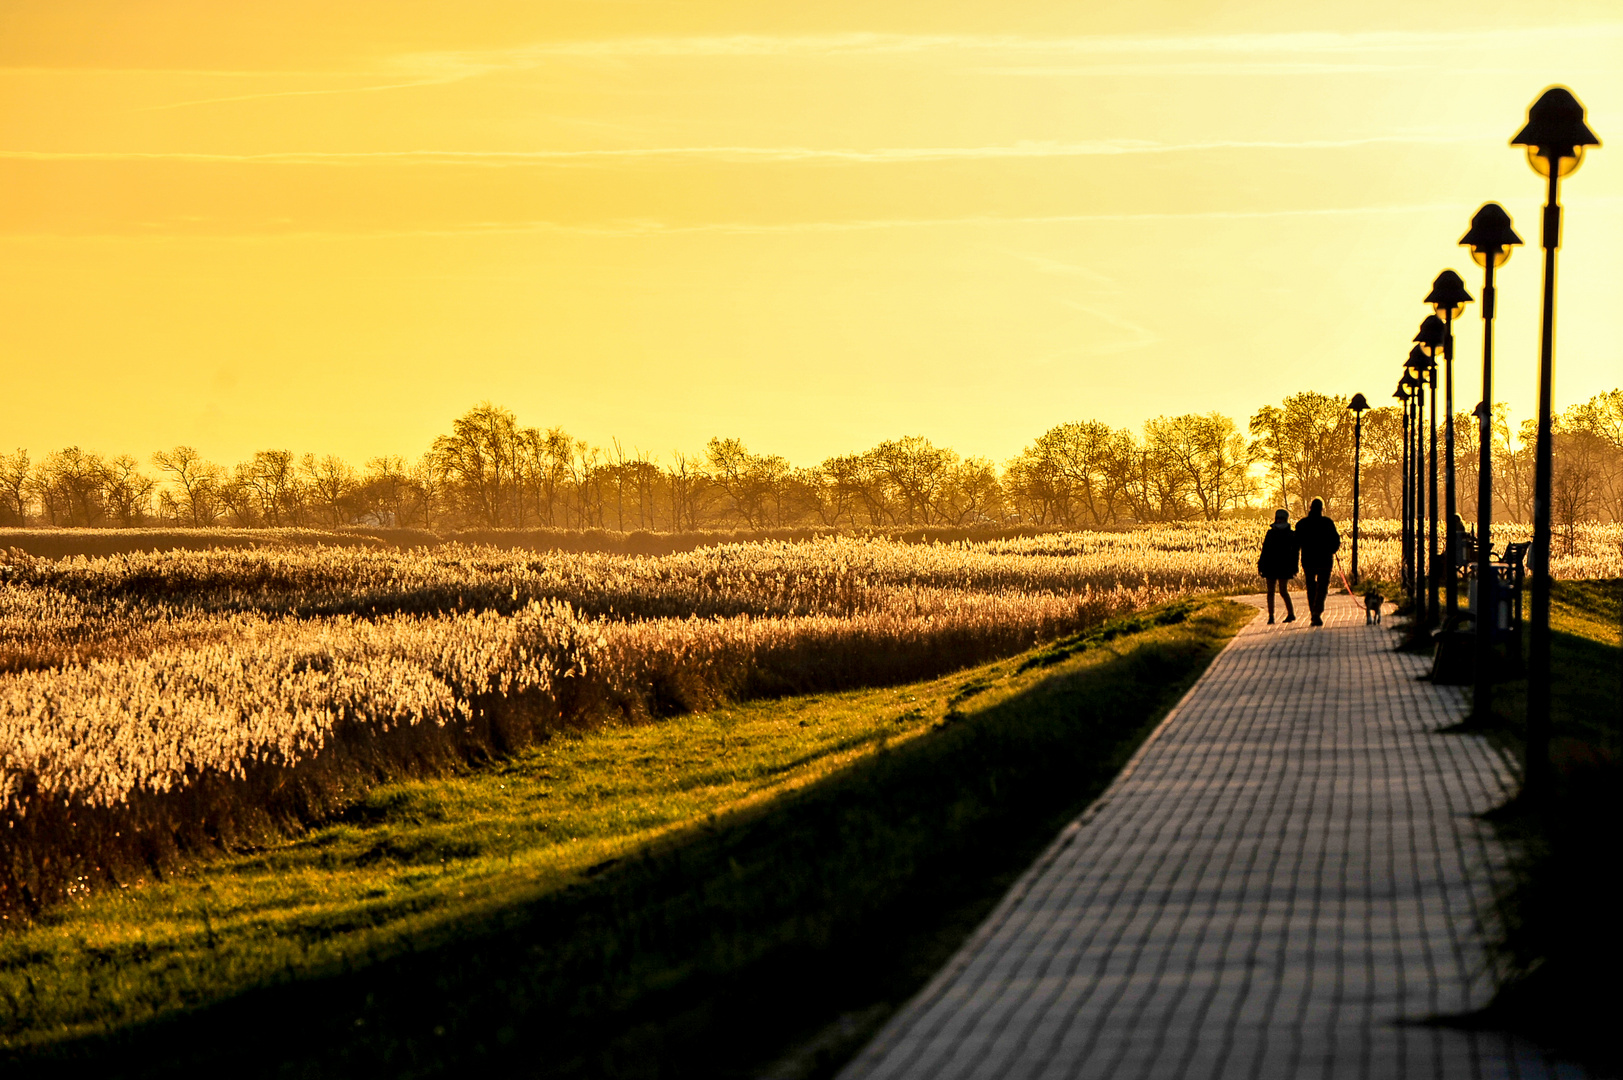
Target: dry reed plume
[(157, 703)]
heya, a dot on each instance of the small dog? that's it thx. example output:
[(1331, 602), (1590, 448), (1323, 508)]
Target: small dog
[(1372, 607)]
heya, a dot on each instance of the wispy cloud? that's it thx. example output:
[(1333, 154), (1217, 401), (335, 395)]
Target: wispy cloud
[(650, 228), (1284, 53), (312, 92), (1128, 337), (731, 154), (1049, 265), (1229, 67), (854, 44)]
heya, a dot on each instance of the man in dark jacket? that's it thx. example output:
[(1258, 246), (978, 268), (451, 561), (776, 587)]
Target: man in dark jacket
[(1318, 541)]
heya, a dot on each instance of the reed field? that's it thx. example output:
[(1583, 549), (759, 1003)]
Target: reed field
[(158, 702)]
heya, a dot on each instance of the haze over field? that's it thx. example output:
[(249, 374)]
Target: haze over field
[(812, 227)]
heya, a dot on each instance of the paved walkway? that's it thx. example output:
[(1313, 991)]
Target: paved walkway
[(1287, 872)]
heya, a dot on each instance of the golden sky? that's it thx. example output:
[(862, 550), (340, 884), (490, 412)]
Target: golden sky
[(332, 226)]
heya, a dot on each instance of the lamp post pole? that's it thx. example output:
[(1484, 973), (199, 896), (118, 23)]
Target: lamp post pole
[(1358, 460), (1358, 404), (1422, 608), (1490, 239), (1431, 540), (1408, 474), (1450, 534), (1536, 770), (1484, 613), (1447, 294), (1555, 134)]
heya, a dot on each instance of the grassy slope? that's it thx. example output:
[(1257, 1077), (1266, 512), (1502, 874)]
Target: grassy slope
[(682, 898), (1563, 940)]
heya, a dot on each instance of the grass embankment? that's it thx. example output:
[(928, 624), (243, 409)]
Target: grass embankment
[(1563, 940), (686, 897)]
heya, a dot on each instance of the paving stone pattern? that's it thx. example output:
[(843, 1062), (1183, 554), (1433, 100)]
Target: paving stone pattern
[(1285, 878)]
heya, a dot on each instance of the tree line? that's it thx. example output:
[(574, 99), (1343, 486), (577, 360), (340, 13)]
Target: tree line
[(490, 471)]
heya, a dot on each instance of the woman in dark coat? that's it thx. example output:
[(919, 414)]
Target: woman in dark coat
[(1277, 562)]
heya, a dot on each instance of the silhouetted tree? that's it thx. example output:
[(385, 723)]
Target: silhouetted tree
[(195, 481), (1306, 445), (1206, 459), (127, 491), (14, 474), (478, 460), (750, 481), (329, 483), (69, 486)]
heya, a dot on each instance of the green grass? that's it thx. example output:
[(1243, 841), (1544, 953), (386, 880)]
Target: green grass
[(1562, 939), (688, 897)]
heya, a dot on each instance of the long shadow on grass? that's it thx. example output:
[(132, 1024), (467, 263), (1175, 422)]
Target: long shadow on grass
[(1561, 941), (709, 953)]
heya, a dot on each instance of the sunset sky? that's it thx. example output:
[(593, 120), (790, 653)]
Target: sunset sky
[(333, 226)]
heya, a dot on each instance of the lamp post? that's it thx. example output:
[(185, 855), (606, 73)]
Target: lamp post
[(1432, 340), (1419, 366), (1448, 299), (1490, 239), (1357, 405), (1406, 394), (1555, 137), (1402, 395)]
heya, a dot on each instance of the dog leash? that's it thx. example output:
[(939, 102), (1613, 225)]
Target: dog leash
[(1343, 574)]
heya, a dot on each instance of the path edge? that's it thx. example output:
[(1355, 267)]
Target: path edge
[(890, 1034)]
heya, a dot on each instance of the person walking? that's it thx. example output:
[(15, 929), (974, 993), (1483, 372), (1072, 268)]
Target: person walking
[(1277, 563), (1318, 540)]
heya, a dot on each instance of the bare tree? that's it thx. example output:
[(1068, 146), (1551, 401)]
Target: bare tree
[(195, 481), (682, 482), (1599, 421), (478, 458), (1206, 457), (1067, 474), (428, 484), (70, 486), (14, 473), (386, 494), (1306, 445), (330, 483), (277, 492), (126, 490), (751, 481), (1577, 481), (1513, 468)]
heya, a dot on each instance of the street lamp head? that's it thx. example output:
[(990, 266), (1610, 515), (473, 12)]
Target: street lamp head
[(1555, 133), (1357, 404), (1490, 235), (1419, 365), (1448, 296), (1402, 392), (1432, 335)]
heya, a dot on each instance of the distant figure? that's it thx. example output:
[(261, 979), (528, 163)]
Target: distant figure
[(1277, 563), (1317, 537), (1372, 607)]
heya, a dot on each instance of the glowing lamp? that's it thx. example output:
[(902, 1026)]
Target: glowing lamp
[(1448, 296), (1555, 132), (1358, 404), (1432, 335), (1490, 236), (1419, 365)]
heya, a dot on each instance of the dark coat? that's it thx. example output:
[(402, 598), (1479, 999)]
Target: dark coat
[(1278, 559), (1319, 542)]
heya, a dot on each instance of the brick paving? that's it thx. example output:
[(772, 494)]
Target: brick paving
[(1284, 880)]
